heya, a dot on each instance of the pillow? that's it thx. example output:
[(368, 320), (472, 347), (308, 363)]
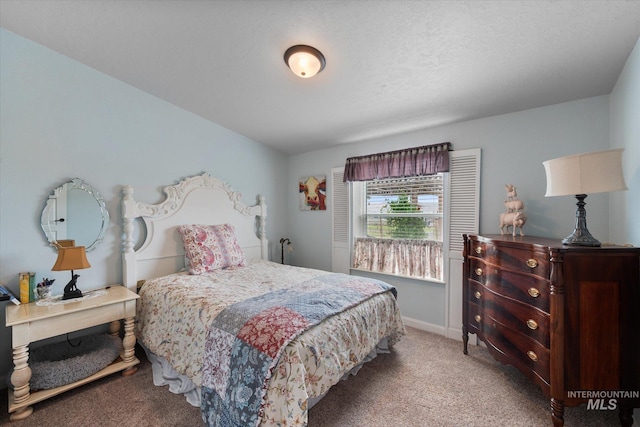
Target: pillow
[(211, 247)]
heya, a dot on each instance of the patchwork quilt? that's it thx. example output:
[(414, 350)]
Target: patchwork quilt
[(246, 339)]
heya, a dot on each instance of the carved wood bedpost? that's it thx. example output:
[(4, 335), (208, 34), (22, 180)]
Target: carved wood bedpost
[(263, 228), (129, 212)]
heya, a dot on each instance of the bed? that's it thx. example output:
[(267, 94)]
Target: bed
[(250, 341)]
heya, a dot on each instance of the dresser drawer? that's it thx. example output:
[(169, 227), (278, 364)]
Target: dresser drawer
[(522, 351), (530, 260), (475, 317), (524, 318), (526, 288)]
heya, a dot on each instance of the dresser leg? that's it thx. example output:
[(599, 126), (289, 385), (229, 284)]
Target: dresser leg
[(557, 412), (626, 416), (465, 340)]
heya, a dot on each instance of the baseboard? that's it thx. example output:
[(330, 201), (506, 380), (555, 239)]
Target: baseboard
[(454, 334), (424, 326)]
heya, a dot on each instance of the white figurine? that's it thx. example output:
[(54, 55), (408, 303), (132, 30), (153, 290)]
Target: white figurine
[(514, 216)]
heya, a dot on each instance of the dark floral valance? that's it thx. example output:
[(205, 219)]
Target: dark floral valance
[(417, 161)]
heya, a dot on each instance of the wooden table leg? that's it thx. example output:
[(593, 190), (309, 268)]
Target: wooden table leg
[(20, 380), (114, 328), (128, 344)]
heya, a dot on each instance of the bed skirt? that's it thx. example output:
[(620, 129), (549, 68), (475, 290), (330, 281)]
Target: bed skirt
[(165, 375)]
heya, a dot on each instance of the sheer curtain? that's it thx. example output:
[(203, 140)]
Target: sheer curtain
[(411, 258)]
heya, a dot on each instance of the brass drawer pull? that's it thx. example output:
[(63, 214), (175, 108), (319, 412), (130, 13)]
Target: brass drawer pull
[(478, 250), (532, 356), (532, 324), (478, 271), (478, 318), (532, 263), (534, 292), (477, 294)]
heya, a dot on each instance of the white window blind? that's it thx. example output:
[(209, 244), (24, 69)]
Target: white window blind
[(405, 208)]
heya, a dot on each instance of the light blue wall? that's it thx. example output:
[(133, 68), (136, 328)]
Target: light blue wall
[(60, 119), (624, 210), (513, 149)]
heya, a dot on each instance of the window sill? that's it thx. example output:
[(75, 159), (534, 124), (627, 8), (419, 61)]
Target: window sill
[(419, 279)]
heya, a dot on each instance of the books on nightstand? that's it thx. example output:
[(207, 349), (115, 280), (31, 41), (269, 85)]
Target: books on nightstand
[(27, 287), (12, 297)]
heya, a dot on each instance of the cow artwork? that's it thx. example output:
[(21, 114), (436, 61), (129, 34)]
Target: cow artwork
[(313, 193)]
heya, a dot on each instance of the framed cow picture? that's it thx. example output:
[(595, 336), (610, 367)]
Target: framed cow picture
[(313, 193)]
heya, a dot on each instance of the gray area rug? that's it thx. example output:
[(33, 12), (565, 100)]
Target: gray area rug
[(62, 363)]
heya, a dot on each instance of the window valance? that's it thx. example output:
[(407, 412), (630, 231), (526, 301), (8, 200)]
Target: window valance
[(417, 161)]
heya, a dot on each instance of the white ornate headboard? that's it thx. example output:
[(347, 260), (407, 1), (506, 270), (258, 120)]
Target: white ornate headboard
[(201, 199)]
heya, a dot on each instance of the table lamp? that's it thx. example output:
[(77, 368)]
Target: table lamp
[(71, 258), (583, 174)]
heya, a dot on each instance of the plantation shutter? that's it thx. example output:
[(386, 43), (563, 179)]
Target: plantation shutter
[(340, 248), (464, 215), (464, 197)]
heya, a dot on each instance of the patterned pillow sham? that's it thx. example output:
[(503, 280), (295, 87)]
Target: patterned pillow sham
[(211, 247)]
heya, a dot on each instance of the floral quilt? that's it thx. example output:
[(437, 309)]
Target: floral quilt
[(176, 315)]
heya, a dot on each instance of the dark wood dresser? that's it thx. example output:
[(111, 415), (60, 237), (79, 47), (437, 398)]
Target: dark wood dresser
[(567, 317)]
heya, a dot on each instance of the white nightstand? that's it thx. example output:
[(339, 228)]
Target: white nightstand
[(30, 322)]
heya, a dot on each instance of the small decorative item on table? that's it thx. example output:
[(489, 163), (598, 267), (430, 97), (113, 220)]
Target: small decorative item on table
[(44, 288), (27, 286)]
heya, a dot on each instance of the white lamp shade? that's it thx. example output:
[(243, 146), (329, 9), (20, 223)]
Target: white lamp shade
[(587, 173)]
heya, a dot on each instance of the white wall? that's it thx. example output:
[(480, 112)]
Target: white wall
[(624, 213), (60, 119)]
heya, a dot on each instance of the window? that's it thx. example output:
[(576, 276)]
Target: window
[(405, 208), (401, 227), (458, 204)]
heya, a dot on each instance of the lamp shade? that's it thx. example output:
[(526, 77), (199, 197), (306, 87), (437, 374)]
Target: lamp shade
[(65, 243), (304, 61), (71, 258), (587, 173)]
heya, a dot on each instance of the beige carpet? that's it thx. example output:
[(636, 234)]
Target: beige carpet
[(425, 381)]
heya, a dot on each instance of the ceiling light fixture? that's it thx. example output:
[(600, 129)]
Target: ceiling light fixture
[(305, 61)]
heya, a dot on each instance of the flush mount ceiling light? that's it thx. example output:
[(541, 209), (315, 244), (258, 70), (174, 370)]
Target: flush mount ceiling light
[(304, 61)]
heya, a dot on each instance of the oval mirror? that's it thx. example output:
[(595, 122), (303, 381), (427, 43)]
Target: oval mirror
[(76, 213)]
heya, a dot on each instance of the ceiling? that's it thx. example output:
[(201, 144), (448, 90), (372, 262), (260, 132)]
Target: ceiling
[(392, 66)]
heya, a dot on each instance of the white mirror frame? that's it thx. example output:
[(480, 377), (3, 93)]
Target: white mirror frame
[(51, 214)]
